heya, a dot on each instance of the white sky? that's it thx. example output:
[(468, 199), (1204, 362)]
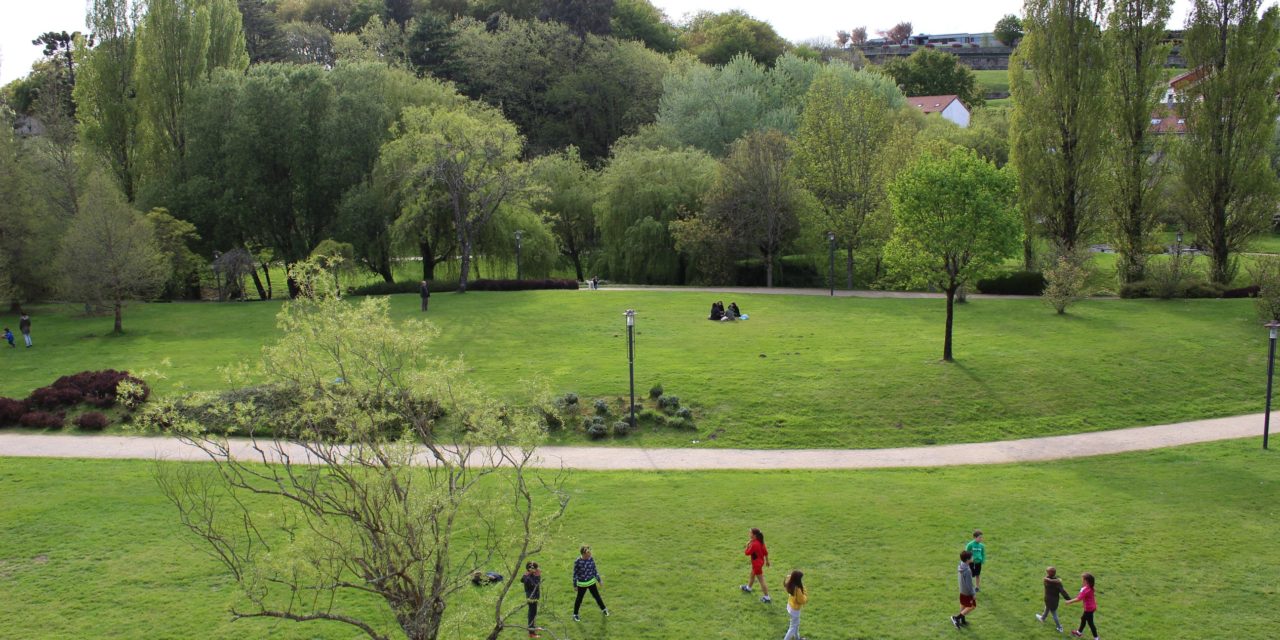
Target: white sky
[(23, 20)]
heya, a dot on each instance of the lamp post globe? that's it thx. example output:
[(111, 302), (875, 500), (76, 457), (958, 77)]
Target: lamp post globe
[(1273, 328), (631, 361), (831, 268), (519, 236)]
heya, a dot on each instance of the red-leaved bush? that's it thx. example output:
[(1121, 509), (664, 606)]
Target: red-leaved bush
[(92, 421), (42, 420), (97, 388), (11, 411)]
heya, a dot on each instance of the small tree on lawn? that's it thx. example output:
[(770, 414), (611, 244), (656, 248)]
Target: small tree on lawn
[(955, 219), (1065, 280), (109, 253), (387, 479)]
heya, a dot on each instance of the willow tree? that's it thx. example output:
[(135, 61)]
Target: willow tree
[(845, 151), (1135, 55), (1058, 130), (1230, 109)]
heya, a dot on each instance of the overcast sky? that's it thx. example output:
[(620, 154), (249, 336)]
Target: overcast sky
[(23, 20)]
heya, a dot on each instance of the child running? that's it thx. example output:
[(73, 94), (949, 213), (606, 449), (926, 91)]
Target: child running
[(1090, 602), (585, 577), (759, 560), (797, 597), (968, 601), (8, 336), (979, 552), (532, 581), (1053, 590)]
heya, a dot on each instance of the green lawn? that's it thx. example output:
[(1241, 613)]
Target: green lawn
[(992, 80), (90, 549), (803, 372)]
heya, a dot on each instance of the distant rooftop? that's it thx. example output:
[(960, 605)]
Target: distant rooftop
[(932, 104)]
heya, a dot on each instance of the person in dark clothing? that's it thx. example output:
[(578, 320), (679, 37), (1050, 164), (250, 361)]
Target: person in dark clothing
[(532, 581), (24, 325), (733, 310), (717, 311), (586, 578), (425, 293), (8, 336), (1053, 591)]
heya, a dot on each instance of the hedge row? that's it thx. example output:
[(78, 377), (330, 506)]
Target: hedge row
[(1017, 283), (1188, 289)]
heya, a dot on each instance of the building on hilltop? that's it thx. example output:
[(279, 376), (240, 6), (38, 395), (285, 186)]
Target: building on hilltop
[(948, 107)]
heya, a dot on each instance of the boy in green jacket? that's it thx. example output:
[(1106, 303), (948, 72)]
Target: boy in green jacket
[(979, 552)]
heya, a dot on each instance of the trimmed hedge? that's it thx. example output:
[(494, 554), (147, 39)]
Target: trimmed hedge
[(1017, 283), (11, 411), (42, 420), (1188, 289), (92, 421), (521, 285)]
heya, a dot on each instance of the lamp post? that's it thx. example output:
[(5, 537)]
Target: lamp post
[(831, 268), (519, 234), (1178, 244), (631, 360), (1272, 327)]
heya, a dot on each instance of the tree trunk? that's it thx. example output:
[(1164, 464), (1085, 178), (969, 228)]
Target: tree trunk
[(119, 328), (1221, 256), (576, 257), (1028, 253), (768, 270), (464, 265), (946, 343), (266, 273), (848, 265), (384, 270), (257, 283), (428, 259)]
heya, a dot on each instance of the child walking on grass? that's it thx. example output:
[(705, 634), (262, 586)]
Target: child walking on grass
[(759, 555), (1053, 590), (586, 578), (532, 581), (968, 601), (979, 552), (797, 597), (1090, 602)]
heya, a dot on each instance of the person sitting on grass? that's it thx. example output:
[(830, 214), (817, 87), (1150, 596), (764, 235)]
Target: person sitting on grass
[(717, 311), (733, 310)]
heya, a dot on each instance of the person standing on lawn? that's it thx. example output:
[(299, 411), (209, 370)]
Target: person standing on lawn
[(979, 552), (24, 325), (424, 292), (759, 560), (968, 599), (586, 578), (797, 597), (1090, 602), (1053, 591), (532, 581)]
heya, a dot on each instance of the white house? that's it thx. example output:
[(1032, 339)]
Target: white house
[(949, 107)]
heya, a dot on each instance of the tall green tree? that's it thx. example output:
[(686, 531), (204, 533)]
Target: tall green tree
[(846, 152), (1230, 110), (582, 16), (954, 220), (717, 37), (1008, 30), (472, 154), (263, 39), (109, 254), (756, 198), (28, 233), (180, 44), (567, 202), (106, 90), (930, 72), (642, 192), (1135, 55), (641, 20), (1058, 128), (709, 107)]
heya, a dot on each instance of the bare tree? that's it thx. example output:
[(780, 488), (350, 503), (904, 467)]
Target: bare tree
[(858, 36), (898, 33), (386, 477)]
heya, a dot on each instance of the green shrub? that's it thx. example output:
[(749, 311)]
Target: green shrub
[(655, 391), (681, 424), (596, 428), (602, 408), (1017, 283), (669, 404), (684, 413), (621, 428), (657, 418)]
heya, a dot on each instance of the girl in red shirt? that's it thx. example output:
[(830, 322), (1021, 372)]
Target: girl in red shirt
[(759, 560)]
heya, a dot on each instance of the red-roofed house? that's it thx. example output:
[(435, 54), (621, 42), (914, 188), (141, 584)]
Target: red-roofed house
[(948, 107)]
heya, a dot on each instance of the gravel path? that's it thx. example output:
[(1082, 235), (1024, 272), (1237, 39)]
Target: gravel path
[(790, 291), (627, 458)]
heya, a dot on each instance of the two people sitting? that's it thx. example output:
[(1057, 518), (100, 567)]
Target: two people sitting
[(720, 313)]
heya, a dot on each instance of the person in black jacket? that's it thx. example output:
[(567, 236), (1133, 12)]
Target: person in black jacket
[(532, 581), (425, 293), (717, 311), (24, 325)]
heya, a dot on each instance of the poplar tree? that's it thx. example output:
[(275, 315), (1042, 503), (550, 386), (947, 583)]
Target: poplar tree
[(1057, 83), (1136, 54), (1230, 109), (105, 90)]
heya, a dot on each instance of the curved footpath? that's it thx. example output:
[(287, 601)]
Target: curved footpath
[(626, 458)]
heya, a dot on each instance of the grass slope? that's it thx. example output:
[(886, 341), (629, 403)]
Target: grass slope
[(91, 549), (803, 372)]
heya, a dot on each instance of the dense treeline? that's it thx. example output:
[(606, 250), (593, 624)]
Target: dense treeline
[(617, 143)]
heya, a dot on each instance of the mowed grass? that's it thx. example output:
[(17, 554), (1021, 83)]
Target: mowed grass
[(992, 80), (804, 371), (91, 549)]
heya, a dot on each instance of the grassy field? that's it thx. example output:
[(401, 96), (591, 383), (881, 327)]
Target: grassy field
[(992, 80), (803, 372), (91, 549)]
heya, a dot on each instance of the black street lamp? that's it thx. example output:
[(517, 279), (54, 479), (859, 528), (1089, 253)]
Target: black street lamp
[(1271, 368), (1178, 247), (831, 269), (631, 359), (519, 234)]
